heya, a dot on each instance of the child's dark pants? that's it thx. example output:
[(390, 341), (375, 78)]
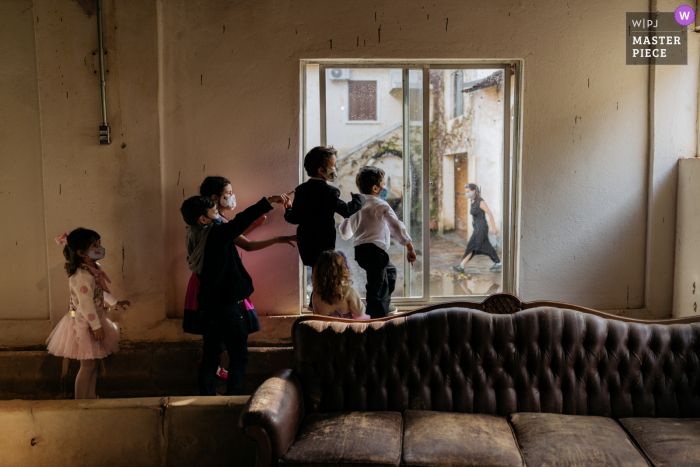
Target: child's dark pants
[(381, 278), (225, 326)]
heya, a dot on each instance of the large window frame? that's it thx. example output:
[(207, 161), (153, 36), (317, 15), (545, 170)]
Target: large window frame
[(512, 137)]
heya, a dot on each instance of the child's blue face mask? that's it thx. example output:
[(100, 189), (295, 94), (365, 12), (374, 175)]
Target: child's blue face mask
[(216, 221), (384, 194)]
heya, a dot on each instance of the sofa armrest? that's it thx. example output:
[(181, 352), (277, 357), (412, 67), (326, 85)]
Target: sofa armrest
[(273, 415)]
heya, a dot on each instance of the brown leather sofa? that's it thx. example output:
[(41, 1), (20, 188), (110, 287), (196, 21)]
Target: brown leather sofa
[(501, 383)]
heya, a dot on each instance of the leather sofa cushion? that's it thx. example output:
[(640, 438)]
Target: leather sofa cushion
[(458, 440), (348, 439), (667, 442), (567, 440)]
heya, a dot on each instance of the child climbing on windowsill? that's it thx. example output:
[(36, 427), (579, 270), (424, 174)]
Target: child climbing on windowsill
[(373, 226)]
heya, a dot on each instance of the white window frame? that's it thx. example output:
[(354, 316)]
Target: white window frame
[(511, 169)]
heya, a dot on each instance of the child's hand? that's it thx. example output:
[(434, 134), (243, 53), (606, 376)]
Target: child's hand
[(288, 240), (283, 199), (123, 304), (288, 203), (411, 254), (99, 334)]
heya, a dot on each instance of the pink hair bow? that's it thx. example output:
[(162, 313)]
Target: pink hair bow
[(63, 239)]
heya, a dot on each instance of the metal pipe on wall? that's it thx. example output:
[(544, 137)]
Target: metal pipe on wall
[(105, 137)]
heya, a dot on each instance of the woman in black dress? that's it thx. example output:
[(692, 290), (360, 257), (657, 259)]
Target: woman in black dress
[(479, 243)]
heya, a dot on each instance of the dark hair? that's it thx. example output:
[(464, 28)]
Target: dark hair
[(331, 275), (317, 158), (213, 186), (79, 239), (367, 177), (477, 192), (194, 207)]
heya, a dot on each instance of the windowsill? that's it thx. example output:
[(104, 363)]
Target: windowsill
[(363, 122)]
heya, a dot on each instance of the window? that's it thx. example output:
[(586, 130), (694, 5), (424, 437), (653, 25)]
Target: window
[(362, 100), (450, 154), (457, 96)]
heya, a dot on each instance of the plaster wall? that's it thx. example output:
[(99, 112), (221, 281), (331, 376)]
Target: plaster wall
[(116, 189), (24, 288), (686, 293), (200, 88)]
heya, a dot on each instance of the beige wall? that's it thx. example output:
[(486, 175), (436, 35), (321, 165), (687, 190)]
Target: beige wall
[(24, 286), (199, 88), (686, 283)]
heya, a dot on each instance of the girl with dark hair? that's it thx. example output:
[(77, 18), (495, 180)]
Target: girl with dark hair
[(85, 333), (479, 243), (219, 189)]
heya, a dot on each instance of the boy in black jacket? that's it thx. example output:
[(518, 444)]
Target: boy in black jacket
[(224, 282), (315, 202)]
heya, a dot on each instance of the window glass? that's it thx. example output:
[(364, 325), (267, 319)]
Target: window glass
[(466, 182), (367, 137), (444, 168)]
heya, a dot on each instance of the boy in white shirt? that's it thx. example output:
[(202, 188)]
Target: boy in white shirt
[(372, 226)]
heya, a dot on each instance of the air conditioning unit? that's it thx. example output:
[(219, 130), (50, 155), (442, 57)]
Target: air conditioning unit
[(396, 78), (339, 74)]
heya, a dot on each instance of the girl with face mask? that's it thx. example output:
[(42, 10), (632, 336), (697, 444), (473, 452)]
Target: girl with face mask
[(85, 333), (479, 243), (219, 189)]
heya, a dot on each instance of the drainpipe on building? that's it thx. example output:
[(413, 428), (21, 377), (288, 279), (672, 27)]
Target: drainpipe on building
[(105, 137)]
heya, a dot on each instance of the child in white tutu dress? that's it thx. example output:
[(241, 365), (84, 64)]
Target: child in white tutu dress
[(85, 333)]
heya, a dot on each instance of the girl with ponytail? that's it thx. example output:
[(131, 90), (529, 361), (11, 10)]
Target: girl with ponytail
[(85, 333)]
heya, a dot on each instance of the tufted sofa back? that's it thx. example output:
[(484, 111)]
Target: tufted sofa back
[(539, 360)]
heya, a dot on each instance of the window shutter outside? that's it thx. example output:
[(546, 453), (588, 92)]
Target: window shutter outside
[(362, 100)]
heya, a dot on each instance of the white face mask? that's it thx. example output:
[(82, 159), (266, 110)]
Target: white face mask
[(331, 174), (229, 201), (469, 195), (97, 253)]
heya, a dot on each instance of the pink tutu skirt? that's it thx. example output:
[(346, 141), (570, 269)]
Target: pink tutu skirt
[(73, 338)]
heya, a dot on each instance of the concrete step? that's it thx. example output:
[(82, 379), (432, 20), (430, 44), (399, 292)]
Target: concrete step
[(169, 431), (137, 370)]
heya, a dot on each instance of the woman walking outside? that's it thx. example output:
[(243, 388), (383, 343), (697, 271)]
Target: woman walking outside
[(479, 243)]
